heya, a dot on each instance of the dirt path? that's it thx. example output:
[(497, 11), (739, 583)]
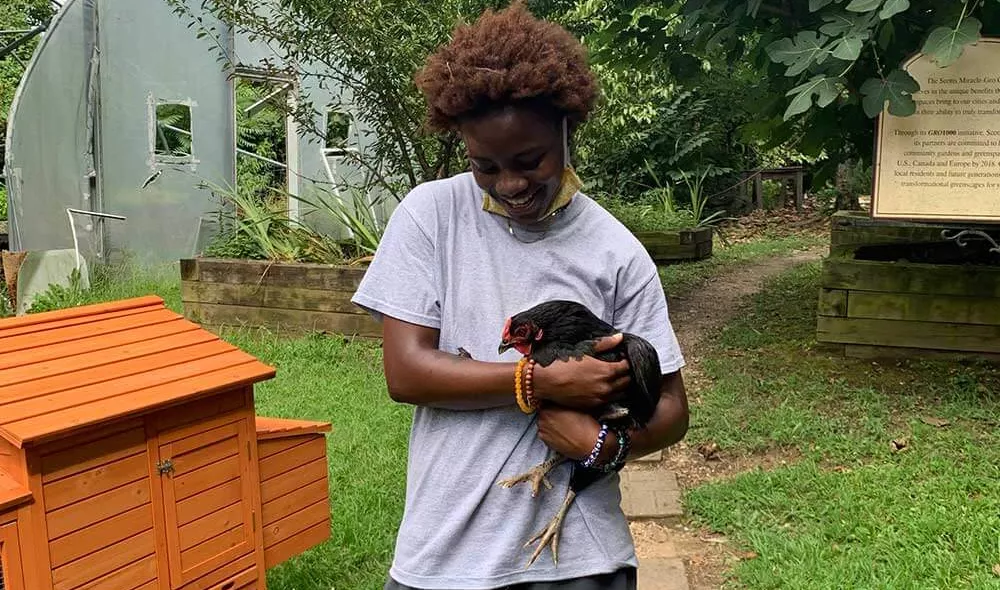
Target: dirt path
[(698, 317)]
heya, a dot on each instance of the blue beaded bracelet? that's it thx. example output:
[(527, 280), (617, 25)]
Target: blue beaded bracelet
[(592, 458), (624, 446)]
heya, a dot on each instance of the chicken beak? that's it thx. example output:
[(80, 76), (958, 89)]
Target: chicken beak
[(504, 347)]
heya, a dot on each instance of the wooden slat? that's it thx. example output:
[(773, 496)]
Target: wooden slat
[(223, 574), (96, 509), (41, 329), (217, 522), (12, 493), (283, 319), (200, 480), (67, 342), (213, 547), (290, 459), (832, 302), (10, 559), (264, 273), (103, 562), (867, 352), (924, 308), (930, 279), (103, 534), (273, 446), (101, 366), (296, 544), (95, 481), (140, 575), (268, 428), (307, 494), (296, 522), (86, 456), (905, 334), (241, 369), (287, 482), (211, 433), (253, 295), (208, 501), (78, 312)]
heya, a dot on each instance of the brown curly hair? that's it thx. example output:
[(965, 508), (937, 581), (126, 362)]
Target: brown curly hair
[(507, 57)]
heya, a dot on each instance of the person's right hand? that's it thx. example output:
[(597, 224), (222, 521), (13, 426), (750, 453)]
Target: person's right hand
[(583, 384)]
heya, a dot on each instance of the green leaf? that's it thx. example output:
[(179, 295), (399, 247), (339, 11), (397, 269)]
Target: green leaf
[(893, 7), (815, 5), (848, 48), (945, 44), (798, 54), (897, 88), (839, 24), (863, 5), (827, 89)]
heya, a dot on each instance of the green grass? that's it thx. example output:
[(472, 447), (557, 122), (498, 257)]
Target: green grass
[(850, 512), (318, 378), (679, 278)]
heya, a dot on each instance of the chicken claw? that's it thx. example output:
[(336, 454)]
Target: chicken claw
[(550, 534), (538, 476)]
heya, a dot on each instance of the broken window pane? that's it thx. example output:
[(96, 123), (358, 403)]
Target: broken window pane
[(173, 130), (262, 138), (338, 126)]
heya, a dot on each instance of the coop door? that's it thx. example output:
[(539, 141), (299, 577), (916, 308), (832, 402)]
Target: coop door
[(10, 559), (208, 515)]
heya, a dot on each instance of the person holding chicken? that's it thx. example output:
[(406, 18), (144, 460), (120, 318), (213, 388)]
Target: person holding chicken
[(460, 256)]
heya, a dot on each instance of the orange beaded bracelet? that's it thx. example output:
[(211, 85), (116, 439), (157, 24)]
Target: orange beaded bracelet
[(519, 388)]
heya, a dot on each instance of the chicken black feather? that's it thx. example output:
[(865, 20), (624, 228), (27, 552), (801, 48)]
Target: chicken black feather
[(564, 330)]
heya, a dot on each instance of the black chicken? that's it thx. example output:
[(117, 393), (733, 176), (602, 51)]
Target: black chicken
[(562, 330)]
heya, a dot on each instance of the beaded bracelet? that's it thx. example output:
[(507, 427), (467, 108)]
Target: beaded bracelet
[(624, 446), (591, 459), (518, 389), (529, 390)]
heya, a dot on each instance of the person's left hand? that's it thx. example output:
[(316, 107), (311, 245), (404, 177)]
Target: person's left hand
[(571, 433)]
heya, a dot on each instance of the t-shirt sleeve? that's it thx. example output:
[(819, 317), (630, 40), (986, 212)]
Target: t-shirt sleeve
[(641, 309), (401, 281)]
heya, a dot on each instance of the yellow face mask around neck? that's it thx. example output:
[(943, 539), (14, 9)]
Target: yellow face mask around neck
[(570, 185)]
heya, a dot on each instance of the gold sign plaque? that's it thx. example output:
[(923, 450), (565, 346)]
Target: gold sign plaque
[(943, 162)]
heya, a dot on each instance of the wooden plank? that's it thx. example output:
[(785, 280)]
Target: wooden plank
[(95, 481), (924, 308), (215, 523), (37, 319), (10, 558), (931, 279), (288, 482), (87, 455), (234, 374), (226, 404), (297, 522), (66, 342), (206, 502), (290, 459), (101, 535), (955, 337), (222, 575), (96, 509), (218, 545), (268, 428), (832, 302), (296, 544), (12, 493), (260, 296), (140, 575), (653, 239), (199, 480), (103, 562), (265, 273), (42, 329), (306, 494), (283, 319), (866, 352)]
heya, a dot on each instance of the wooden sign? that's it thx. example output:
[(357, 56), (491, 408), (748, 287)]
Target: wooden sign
[(943, 162)]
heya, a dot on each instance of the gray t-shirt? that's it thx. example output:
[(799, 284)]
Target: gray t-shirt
[(446, 263)]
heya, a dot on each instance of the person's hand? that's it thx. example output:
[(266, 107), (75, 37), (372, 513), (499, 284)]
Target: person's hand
[(584, 384), (572, 434)]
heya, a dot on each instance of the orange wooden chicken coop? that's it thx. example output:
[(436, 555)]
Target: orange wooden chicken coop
[(131, 457)]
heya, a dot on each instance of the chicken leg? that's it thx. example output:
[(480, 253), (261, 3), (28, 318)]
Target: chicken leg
[(537, 475), (550, 534)]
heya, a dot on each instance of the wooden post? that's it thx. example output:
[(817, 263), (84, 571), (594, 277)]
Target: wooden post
[(799, 196), (758, 191)]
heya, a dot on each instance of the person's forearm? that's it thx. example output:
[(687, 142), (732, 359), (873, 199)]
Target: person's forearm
[(438, 379), (669, 423)]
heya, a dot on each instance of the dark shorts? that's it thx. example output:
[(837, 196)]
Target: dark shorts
[(623, 579)]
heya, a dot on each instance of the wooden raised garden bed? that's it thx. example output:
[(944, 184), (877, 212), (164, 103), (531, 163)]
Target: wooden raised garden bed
[(893, 289), (288, 297), (677, 246)]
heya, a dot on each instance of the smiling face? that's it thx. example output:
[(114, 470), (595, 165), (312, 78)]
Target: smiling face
[(517, 157)]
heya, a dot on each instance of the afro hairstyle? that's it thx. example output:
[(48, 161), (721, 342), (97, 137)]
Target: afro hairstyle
[(505, 58)]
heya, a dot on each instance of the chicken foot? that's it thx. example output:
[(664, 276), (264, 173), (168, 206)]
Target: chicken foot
[(550, 534), (537, 475)]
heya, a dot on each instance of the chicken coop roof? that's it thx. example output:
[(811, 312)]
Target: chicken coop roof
[(65, 370)]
